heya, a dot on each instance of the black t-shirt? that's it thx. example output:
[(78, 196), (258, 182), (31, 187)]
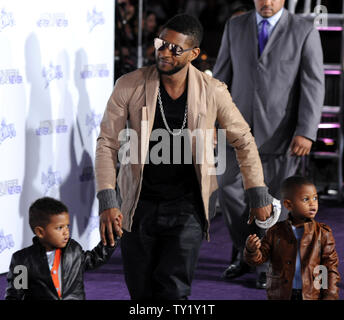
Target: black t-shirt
[(169, 181)]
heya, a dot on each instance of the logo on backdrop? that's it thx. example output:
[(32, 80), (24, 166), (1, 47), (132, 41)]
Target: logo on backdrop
[(94, 71), (6, 19), (47, 127), (7, 131), (10, 76), (50, 179), (6, 241), (95, 18), (51, 73), (10, 187), (93, 121), (57, 19)]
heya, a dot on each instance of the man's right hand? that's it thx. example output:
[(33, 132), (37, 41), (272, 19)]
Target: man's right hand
[(261, 214), (110, 221)]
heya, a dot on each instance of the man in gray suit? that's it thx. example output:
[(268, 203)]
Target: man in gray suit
[(272, 62)]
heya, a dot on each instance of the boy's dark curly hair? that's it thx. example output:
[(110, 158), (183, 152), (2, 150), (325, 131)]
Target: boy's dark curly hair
[(42, 209), (291, 184)]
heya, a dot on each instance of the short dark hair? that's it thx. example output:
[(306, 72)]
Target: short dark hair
[(188, 25), (42, 209), (291, 184)]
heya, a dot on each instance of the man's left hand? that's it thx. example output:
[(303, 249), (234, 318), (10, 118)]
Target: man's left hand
[(261, 214), (300, 146)]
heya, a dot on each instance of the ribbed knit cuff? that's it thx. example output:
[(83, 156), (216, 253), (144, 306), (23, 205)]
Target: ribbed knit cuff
[(259, 197), (107, 199)]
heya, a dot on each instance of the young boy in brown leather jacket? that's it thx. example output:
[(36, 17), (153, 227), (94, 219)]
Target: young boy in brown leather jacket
[(53, 267), (302, 254)]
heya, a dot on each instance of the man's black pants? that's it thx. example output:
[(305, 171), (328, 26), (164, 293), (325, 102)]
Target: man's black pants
[(160, 253)]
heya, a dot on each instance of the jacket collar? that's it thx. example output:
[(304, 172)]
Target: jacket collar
[(196, 97), (37, 243), (308, 225)]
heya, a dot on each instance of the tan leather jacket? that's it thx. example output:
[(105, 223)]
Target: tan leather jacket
[(134, 99), (317, 247)]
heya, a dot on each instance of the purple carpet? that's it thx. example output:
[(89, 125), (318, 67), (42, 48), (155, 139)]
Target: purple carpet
[(107, 282)]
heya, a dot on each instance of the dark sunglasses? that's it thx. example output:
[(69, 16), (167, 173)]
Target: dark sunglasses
[(176, 50)]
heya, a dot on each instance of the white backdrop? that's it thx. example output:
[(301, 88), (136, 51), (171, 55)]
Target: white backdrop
[(56, 75)]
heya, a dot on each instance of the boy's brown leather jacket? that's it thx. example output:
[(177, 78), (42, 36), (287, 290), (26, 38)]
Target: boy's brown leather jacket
[(317, 247)]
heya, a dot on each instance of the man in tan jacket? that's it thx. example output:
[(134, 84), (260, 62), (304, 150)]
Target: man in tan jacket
[(164, 204)]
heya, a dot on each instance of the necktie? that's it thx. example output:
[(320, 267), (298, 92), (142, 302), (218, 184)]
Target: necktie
[(263, 35), (54, 271)]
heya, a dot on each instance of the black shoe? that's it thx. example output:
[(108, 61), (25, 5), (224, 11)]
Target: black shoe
[(235, 270), (261, 281)]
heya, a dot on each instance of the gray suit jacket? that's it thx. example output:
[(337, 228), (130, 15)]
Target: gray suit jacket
[(281, 93)]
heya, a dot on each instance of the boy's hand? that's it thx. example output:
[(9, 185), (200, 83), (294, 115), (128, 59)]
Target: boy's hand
[(110, 221), (253, 243)]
